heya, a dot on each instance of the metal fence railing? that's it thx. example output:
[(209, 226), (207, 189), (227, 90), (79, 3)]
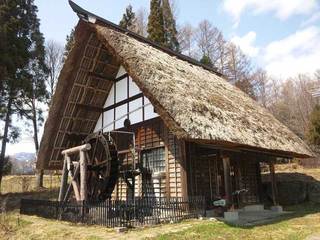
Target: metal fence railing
[(116, 213)]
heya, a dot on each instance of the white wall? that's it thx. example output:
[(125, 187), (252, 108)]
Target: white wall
[(120, 89)]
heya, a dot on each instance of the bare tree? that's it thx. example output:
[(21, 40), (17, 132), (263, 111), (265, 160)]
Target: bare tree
[(186, 38), (206, 37), (174, 8), (304, 101), (261, 86), (222, 54), (142, 22), (239, 70), (291, 102), (54, 60)]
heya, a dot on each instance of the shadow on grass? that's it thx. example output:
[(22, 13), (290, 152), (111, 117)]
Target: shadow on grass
[(11, 201), (297, 193)]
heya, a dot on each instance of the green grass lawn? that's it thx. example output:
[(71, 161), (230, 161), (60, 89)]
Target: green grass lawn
[(303, 223)]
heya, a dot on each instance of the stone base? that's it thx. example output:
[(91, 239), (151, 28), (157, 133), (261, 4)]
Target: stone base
[(254, 208), (121, 229), (278, 209), (231, 216)]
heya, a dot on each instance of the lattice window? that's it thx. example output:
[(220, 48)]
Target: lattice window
[(154, 160)]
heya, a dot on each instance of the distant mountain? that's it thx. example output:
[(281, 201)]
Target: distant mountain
[(23, 163), (23, 156)]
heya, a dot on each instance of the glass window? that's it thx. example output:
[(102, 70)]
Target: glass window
[(153, 159)]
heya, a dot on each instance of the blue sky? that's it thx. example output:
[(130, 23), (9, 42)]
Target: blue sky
[(282, 36)]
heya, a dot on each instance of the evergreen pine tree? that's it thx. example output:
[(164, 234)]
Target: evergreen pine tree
[(206, 61), (14, 55), (69, 43), (20, 43), (35, 91), (314, 126), (128, 20), (155, 23), (170, 30)]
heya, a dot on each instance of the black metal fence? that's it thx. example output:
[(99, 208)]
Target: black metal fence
[(116, 213)]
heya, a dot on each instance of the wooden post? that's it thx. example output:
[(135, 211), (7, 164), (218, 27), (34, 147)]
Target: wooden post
[(273, 183), (72, 184), (183, 169), (166, 156), (258, 170), (83, 176), (227, 180), (64, 180)]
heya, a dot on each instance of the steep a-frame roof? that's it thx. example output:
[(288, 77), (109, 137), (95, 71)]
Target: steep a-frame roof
[(195, 102)]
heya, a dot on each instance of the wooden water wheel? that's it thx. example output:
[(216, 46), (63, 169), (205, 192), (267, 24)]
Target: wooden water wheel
[(102, 167)]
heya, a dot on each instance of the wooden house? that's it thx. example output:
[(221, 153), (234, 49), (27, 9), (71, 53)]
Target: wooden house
[(195, 133)]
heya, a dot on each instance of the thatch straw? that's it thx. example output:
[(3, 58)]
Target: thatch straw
[(196, 103)]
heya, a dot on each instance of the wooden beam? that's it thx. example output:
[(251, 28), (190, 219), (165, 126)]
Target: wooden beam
[(273, 183), (76, 136), (89, 107), (64, 181), (227, 179), (130, 99), (259, 180), (121, 77), (183, 169), (217, 176), (101, 77), (84, 147), (74, 183), (83, 176)]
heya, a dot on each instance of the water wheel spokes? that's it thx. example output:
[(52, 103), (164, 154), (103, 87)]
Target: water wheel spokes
[(102, 167)]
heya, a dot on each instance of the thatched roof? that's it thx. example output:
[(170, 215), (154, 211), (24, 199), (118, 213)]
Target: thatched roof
[(195, 103)]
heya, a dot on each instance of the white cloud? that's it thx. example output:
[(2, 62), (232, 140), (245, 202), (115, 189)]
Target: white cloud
[(25, 145), (282, 9), (314, 18), (297, 53), (246, 43)]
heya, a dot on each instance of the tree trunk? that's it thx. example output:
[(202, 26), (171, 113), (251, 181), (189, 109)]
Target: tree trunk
[(39, 172), (5, 138), (39, 178)]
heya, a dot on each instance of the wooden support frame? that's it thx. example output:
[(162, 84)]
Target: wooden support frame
[(64, 181), (80, 169), (83, 176)]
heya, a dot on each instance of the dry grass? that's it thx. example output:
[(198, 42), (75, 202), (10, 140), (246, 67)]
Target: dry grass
[(16, 187), (27, 183)]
